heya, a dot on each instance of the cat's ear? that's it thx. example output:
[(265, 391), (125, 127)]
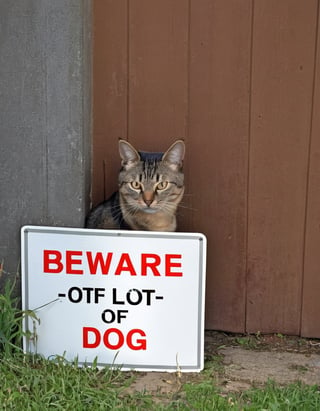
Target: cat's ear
[(128, 154), (174, 155)]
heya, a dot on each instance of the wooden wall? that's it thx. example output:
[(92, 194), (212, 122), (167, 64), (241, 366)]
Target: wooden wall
[(239, 81)]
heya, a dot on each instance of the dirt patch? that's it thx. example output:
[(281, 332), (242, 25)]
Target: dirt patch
[(257, 367), (237, 362), (156, 383)]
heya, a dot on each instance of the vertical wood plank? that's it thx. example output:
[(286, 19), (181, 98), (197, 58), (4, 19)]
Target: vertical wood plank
[(158, 79), (283, 58), (157, 72), (218, 143), (310, 324), (109, 93)]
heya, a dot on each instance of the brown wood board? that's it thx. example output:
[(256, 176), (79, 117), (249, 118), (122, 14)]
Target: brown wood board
[(283, 52), (109, 93), (236, 80), (310, 323), (157, 72), (218, 146)]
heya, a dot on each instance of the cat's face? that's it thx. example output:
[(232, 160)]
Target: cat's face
[(151, 182)]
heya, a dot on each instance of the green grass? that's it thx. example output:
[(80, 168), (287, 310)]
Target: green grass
[(31, 382), (10, 318), (294, 397)]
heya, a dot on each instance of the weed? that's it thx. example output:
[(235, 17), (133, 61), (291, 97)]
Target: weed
[(204, 396), (10, 319), (32, 382), (300, 368), (213, 367), (294, 397), (247, 342)]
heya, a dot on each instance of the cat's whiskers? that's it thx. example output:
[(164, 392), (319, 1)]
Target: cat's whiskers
[(168, 208), (130, 211), (187, 207)]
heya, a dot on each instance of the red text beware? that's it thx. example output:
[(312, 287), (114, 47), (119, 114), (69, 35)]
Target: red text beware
[(79, 262)]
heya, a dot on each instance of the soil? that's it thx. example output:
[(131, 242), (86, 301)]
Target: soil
[(238, 362)]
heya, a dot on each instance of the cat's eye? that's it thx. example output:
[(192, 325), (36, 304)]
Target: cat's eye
[(162, 185), (135, 185)]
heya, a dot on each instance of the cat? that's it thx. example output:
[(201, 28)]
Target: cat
[(151, 186)]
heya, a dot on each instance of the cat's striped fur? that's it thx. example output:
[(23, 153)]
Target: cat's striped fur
[(151, 185)]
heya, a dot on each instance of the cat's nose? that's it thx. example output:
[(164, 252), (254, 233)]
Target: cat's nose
[(148, 198)]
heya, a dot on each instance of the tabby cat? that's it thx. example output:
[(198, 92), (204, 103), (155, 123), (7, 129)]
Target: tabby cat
[(150, 188)]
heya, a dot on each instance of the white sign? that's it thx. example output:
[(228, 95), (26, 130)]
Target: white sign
[(125, 298)]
